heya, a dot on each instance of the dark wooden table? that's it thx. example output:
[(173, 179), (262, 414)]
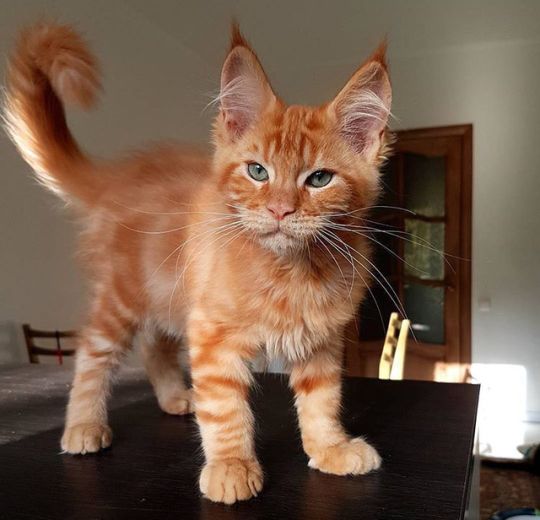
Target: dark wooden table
[(424, 432)]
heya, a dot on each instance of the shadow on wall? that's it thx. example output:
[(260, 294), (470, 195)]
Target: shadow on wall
[(11, 342)]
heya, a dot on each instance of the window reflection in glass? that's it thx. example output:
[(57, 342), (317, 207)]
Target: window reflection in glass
[(425, 309), (423, 249), (424, 184)]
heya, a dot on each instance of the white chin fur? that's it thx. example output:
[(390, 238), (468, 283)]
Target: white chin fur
[(280, 243)]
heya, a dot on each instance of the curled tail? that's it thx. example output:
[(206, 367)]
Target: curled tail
[(51, 65)]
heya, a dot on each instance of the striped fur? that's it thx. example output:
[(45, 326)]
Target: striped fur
[(181, 247)]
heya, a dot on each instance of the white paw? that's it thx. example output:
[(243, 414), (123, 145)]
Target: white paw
[(351, 457), (86, 438), (231, 480)]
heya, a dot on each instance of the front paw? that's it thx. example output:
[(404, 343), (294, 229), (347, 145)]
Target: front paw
[(86, 438), (231, 480), (350, 457)]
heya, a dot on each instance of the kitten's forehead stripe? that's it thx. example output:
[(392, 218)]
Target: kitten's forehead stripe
[(254, 148), (275, 138), (292, 138)]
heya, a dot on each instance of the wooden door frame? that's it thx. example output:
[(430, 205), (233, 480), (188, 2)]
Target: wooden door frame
[(464, 133)]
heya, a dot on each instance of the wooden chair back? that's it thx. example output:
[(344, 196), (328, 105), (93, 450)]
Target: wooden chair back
[(392, 362), (34, 351)]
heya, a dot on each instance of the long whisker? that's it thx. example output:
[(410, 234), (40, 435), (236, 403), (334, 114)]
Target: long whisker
[(420, 241), (393, 229), (235, 206), (180, 203), (173, 230), (386, 285), (244, 244), (387, 288), (182, 245), (351, 260), (337, 264), (323, 239), (306, 245), (219, 235), (374, 222), (392, 207), (385, 247), (146, 212), (402, 235), (217, 230), (364, 209)]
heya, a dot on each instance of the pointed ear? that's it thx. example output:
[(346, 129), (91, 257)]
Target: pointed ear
[(245, 90), (363, 105)]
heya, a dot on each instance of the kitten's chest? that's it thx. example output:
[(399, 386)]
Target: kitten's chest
[(301, 316)]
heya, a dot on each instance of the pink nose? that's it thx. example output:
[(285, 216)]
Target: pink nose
[(280, 209)]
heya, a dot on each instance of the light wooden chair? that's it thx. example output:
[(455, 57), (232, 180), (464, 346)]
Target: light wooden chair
[(392, 360), (34, 351)]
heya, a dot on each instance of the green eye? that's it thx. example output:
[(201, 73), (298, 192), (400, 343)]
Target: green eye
[(257, 172), (319, 178)]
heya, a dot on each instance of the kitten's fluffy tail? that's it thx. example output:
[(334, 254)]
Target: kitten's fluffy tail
[(51, 65)]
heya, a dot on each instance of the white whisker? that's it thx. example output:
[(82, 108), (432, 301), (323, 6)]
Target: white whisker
[(173, 230), (351, 259), (387, 288), (221, 234), (146, 212), (379, 243), (181, 246)]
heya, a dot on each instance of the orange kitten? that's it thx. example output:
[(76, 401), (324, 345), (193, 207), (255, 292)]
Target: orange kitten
[(239, 252)]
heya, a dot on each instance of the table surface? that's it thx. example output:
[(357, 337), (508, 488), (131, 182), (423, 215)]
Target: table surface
[(423, 431)]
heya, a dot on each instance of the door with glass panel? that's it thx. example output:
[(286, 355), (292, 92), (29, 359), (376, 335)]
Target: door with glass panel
[(421, 234)]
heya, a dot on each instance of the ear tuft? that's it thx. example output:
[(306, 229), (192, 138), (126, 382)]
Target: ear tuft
[(363, 106), (379, 55), (237, 38), (245, 90)]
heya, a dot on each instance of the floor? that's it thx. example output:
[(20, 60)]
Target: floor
[(505, 487)]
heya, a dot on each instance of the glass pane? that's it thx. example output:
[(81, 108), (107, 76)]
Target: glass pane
[(424, 184), (424, 249), (389, 184), (385, 251), (425, 309)]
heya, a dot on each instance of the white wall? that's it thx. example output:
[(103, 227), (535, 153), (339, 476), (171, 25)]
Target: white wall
[(495, 87), (460, 62), (149, 96)]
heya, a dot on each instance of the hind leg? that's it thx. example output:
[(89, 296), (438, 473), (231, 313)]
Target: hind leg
[(160, 356), (100, 349)]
